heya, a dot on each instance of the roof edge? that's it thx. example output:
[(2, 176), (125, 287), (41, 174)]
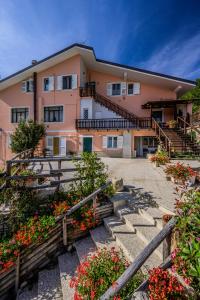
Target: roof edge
[(100, 61)]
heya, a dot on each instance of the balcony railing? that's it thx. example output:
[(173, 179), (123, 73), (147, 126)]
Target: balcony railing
[(117, 123), (87, 91)]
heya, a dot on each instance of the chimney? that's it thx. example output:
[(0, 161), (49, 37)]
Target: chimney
[(34, 61)]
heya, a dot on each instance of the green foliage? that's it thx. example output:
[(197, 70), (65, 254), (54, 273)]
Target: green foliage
[(100, 271), (27, 136), (92, 173), (194, 94), (188, 227)]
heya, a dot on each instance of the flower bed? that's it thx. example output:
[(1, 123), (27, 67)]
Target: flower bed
[(98, 272), (160, 158), (180, 173)]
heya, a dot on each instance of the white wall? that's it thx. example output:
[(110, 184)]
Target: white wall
[(87, 103), (101, 112)]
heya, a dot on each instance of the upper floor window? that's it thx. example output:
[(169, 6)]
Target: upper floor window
[(48, 83), (27, 86), (19, 114), (116, 89), (133, 88), (67, 82), (123, 88), (53, 114)]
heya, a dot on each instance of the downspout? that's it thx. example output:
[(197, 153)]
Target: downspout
[(35, 97)]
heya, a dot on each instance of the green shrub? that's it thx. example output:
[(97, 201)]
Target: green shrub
[(26, 136)]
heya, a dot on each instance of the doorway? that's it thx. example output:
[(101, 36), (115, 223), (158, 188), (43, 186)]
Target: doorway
[(56, 145), (87, 144), (157, 115)]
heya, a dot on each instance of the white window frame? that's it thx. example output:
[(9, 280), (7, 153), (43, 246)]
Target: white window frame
[(49, 90), (112, 136), (112, 89), (67, 75), (54, 106), (16, 107), (133, 89), (25, 82)]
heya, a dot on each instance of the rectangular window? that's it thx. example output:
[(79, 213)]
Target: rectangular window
[(19, 114), (130, 88), (67, 82), (46, 84), (27, 86), (85, 113), (112, 142), (53, 114), (116, 89)]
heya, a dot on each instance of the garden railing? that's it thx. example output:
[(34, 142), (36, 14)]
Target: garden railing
[(38, 255), (162, 136)]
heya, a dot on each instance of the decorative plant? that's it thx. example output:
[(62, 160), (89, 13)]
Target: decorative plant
[(187, 255), (180, 171), (91, 173), (172, 123), (163, 285), (35, 230), (26, 136), (161, 157), (101, 270)]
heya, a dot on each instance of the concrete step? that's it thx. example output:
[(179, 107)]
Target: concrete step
[(130, 243), (49, 284), (29, 293), (84, 247), (68, 263), (143, 228), (102, 238), (153, 214)]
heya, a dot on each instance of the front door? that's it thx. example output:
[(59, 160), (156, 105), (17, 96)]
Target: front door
[(56, 142), (87, 144), (157, 115)]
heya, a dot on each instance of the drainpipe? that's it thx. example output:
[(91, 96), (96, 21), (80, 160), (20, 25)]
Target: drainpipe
[(35, 96)]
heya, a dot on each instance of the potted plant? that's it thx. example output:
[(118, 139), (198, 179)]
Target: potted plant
[(181, 174), (172, 123), (160, 158)]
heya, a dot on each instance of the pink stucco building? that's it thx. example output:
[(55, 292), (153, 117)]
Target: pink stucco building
[(89, 104)]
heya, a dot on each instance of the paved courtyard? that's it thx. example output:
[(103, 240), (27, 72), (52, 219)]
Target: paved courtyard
[(140, 173)]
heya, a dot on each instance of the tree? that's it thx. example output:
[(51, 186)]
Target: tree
[(27, 135), (194, 94)]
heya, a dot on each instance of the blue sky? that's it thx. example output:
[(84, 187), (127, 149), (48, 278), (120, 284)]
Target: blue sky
[(158, 35)]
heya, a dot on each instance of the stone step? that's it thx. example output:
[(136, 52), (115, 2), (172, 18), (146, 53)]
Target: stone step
[(84, 247), (29, 293), (153, 214), (130, 243), (144, 229), (49, 284), (102, 238), (68, 263)]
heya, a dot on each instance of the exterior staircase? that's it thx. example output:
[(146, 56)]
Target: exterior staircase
[(181, 142), (131, 228)]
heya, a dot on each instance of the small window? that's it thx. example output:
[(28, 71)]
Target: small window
[(53, 114), (27, 86), (112, 142), (85, 113), (46, 84), (130, 88), (66, 82), (116, 89), (19, 114)]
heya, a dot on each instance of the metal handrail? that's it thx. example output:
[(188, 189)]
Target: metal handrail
[(168, 141), (139, 260), (191, 126)]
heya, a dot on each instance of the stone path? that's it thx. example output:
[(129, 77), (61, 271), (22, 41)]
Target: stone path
[(144, 177)]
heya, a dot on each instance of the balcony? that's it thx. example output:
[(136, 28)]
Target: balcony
[(118, 123)]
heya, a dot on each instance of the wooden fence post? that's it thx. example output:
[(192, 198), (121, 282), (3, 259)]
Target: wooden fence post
[(65, 231), (167, 240), (59, 170), (8, 172), (17, 274)]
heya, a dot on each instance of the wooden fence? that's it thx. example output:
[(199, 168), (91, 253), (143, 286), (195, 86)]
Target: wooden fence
[(38, 255)]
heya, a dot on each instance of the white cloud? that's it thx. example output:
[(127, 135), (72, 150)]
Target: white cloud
[(178, 58)]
